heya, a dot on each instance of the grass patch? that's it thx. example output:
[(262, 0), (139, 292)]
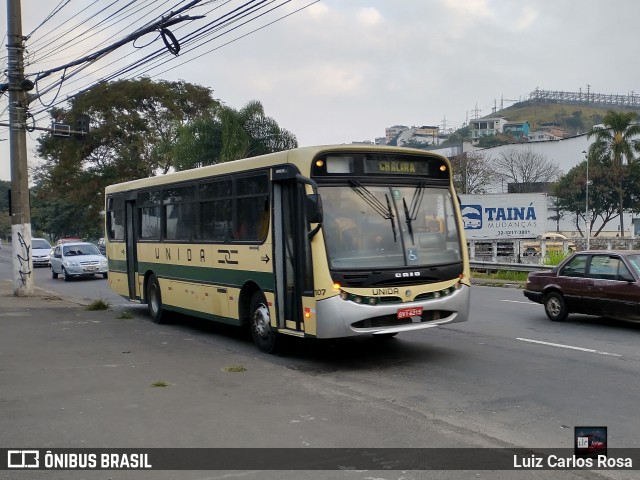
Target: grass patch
[(235, 369), (125, 316), (160, 384), (99, 304), (502, 275), (554, 258)]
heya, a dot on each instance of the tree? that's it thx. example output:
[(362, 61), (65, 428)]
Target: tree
[(524, 167), (492, 140), (133, 126), (472, 173), (223, 134), (413, 143), (461, 135), (603, 204), (616, 141)]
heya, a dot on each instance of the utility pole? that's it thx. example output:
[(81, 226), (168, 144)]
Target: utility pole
[(20, 208)]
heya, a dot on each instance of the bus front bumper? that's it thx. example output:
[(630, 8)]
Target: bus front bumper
[(343, 318)]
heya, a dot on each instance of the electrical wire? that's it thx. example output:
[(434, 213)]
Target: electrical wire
[(195, 39), (49, 17)]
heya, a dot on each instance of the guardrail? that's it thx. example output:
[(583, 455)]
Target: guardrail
[(508, 251), (514, 267)]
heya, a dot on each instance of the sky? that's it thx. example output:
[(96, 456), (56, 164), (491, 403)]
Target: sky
[(337, 71)]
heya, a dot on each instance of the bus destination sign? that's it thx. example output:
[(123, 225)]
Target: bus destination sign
[(398, 167)]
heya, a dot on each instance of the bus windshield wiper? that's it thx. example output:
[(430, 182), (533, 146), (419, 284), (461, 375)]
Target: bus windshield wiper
[(408, 219), (379, 207), (393, 224), (412, 213)]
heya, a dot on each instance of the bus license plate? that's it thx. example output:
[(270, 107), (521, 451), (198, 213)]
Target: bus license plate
[(409, 312)]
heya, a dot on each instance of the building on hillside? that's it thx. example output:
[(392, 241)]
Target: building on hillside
[(542, 136), (483, 127), (518, 130), (408, 136), (391, 132), (431, 134), (554, 129)]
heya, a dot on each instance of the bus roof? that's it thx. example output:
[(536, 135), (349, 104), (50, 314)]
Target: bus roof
[(297, 156)]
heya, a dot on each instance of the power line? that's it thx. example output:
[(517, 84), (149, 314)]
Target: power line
[(225, 24), (49, 17), (128, 68)]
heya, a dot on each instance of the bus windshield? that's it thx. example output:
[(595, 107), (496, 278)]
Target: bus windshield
[(370, 226)]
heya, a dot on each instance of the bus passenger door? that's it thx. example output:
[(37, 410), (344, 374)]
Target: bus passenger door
[(292, 254), (132, 264)]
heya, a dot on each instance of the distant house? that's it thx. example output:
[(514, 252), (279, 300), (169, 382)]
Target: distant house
[(483, 127), (519, 130), (428, 133), (542, 136)]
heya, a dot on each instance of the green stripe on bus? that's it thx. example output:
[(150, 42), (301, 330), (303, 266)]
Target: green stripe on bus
[(211, 276), (118, 265)]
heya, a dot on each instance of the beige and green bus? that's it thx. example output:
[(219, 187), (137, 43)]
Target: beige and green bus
[(314, 242)]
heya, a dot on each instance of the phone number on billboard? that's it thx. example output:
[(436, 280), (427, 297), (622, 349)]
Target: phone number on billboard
[(514, 232)]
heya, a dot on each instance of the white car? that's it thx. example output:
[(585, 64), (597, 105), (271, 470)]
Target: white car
[(78, 259), (40, 252)]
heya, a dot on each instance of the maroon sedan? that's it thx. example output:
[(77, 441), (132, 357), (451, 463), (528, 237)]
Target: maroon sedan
[(595, 282)]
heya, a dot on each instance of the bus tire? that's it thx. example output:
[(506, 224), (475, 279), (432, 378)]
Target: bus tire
[(154, 299), (264, 336)]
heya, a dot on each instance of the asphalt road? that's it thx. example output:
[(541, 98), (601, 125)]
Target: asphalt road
[(509, 375)]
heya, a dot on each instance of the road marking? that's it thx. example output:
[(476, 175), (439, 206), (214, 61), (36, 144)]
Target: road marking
[(519, 301), (590, 350)]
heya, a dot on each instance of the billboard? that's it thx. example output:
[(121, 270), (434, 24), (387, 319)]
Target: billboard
[(504, 215)]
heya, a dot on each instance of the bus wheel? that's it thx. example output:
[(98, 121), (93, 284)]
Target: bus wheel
[(260, 323), (154, 299)]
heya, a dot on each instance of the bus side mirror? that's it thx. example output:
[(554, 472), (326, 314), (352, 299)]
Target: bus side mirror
[(313, 208)]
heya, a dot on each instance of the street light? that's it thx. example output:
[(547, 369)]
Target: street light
[(586, 202)]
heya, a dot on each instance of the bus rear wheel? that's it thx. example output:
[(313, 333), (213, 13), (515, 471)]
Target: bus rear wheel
[(264, 336), (154, 299)]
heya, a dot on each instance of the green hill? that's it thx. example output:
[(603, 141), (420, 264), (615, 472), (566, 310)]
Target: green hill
[(574, 118)]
